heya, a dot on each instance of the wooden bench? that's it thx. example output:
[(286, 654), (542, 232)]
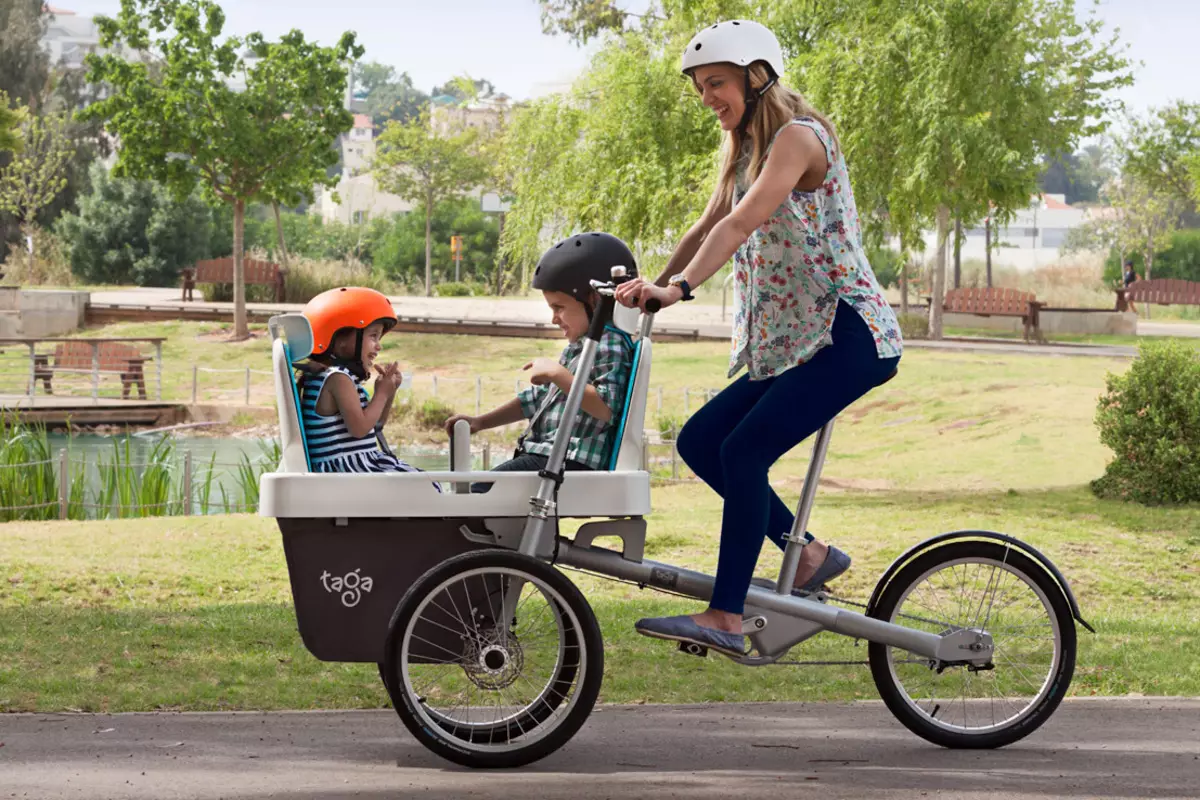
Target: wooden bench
[(102, 358), (220, 270), (994, 302), (1160, 291)]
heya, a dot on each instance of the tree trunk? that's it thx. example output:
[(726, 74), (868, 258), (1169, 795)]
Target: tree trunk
[(283, 255), (500, 258), (939, 274), (27, 232), (240, 329), (987, 247), (429, 244), (1149, 266), (958, 236), (904, 284)]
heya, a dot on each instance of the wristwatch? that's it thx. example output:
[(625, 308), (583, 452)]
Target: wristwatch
[(678, 280)]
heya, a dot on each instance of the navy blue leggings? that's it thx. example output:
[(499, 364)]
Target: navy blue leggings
[(734, 439)]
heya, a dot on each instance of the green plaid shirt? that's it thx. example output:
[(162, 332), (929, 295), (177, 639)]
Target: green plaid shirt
[(590, 443)]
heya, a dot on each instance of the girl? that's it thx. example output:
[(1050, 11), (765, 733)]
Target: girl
[(811, 326), (341, 424)]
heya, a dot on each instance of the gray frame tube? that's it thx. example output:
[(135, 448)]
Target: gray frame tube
[(698, 585), (796, 540), (542, 504)]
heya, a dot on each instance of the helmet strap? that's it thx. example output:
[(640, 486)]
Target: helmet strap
[(752, 98)]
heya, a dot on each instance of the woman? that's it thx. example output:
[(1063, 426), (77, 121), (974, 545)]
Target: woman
[(811, 327)]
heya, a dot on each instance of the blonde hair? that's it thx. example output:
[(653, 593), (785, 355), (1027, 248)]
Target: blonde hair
[(778, 106)]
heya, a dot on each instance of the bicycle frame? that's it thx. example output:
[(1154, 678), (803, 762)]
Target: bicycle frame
[(776, 620)]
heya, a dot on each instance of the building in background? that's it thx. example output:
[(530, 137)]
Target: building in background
[(1032, 239), (70, 37)]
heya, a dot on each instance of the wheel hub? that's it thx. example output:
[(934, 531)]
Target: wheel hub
[(493, 663)]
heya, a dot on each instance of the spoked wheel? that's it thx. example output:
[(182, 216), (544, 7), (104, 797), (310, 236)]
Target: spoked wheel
[(992, 589), (493, 659)]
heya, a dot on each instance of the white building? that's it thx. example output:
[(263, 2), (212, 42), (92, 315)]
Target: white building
[(70, 37), (1032, 239)]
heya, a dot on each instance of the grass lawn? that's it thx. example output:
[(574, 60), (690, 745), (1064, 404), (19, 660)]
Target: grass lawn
[(195, 613)]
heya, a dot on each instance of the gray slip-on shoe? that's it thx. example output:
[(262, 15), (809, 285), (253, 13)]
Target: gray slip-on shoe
[(685, 629)]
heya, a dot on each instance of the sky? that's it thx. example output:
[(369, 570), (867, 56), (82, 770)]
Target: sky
[(502, 40)]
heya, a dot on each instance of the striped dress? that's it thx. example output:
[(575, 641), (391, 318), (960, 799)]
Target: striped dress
[(331, 446)]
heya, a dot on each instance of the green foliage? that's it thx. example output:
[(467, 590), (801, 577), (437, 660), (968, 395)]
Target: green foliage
[(452, 289), (1150, 418), (24, 62), (37, 173), (10, 125), (1180, 259), (131, 231), (183, 121), (630, 150), (886, 263), (428, 161), (386, 94), (913, 326), (953, 103), (397, 245), (582, 20), (431, 414), (1163, 150)]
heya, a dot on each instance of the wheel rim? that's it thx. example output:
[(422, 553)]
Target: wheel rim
[(991, 596), (500, 688)]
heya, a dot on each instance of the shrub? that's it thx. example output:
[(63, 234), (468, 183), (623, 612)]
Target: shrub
[(452, 289), (913, 326), (431, 414), (1150, 418), (305, 280), (885, 263), (1180, 260)]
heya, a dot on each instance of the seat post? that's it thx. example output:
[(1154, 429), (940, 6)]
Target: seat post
[(796, 538)]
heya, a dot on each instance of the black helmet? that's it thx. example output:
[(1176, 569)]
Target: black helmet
[(572, 264)]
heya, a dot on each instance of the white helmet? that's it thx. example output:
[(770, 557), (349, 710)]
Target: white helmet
[(739, 42)]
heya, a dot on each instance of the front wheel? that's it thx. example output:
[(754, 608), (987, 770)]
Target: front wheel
[(991, 589), (493, 659)]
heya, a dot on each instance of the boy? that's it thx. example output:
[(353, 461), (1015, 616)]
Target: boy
[(564, 274)]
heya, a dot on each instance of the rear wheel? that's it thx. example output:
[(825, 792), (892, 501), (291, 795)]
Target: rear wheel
[(990, 589)]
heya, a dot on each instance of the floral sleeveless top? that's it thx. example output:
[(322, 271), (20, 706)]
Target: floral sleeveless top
[(790, 273)]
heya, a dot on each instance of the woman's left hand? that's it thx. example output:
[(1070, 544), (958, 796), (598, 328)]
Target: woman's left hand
[(635, 293)]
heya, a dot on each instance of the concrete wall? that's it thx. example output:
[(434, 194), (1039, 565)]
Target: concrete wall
[(40, 313), (1053, 321)]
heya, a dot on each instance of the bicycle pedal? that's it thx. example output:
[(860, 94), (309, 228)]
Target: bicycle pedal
[(693, 649)]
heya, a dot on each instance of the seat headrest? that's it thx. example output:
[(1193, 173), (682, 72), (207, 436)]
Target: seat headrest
[(296, 329)]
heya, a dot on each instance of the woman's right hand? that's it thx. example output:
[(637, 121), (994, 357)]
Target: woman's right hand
[(474, 422), (635, 293)]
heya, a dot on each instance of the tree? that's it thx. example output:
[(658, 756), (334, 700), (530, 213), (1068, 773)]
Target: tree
[(24, 63), (387, 95), (135, 231), (428, 166), (948, 106), (10, 126), (1163, 151), (36, 174), (582, 20), (182, 123), (465, 89)]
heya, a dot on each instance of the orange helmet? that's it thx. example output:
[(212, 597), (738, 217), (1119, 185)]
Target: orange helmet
[(348, 307)]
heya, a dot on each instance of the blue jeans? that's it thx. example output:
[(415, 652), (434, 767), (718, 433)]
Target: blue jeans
[(734, 439)]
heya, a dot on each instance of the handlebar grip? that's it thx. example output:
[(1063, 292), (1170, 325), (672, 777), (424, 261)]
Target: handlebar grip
[(652, 305)]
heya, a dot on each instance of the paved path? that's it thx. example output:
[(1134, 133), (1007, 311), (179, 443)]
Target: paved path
[(704, 319), (1091, 748)]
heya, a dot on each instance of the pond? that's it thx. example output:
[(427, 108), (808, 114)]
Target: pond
[(224, 473)]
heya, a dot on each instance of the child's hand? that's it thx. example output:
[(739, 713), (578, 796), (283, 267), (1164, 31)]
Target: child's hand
[(544, 371), (390, 377), (474, 421)]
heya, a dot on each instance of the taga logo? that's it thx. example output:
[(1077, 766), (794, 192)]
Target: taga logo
[(351, 586)]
